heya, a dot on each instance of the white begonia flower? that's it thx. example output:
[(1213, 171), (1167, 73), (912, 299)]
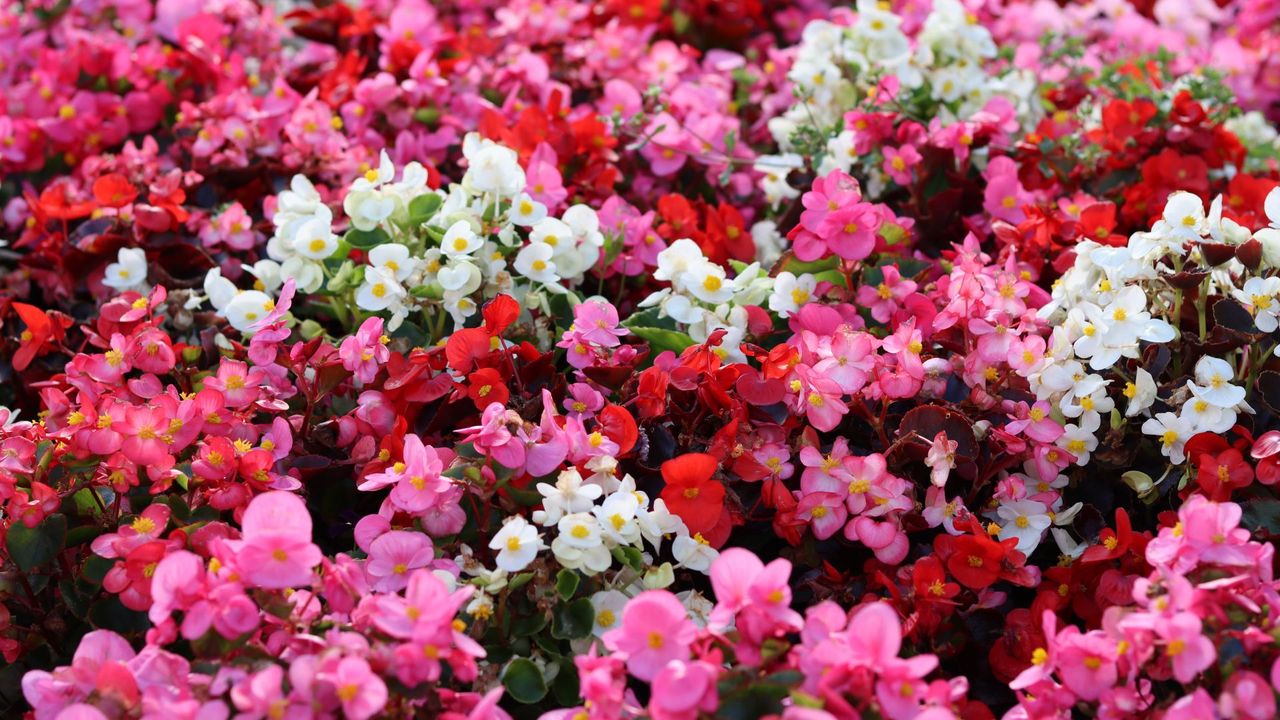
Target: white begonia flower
[(267, 276), (1173, 432), (1067, 546), (790, 293), (658, 523), (459, 306), (554, 233), (608, 605), (1141, 392), (617, 516), (768, 241), (307, 275), (569, 495), (315, 239), (517, 544), (128, 272), (368, 208), (373, 179), (1183, 217), (460, 277), (1213, 378), (526, 211), (1259, 296), (300, 199), (459, 240), (495, 169), (1224, 229), (413, 182), (694, 552), (379, 291), (585, 225), (580, 530), (1204, 416), (395, 259), (535, 262), (1271, 206), (247, 309), (698, 605), (675, 262), (1025, 520), (1089, 407), (1078, 441), (591, 560), (220, 290), (707, 282)]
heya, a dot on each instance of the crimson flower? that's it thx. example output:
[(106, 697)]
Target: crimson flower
[(1222, 473), (691, 491), (486, 386), (1111, 543)]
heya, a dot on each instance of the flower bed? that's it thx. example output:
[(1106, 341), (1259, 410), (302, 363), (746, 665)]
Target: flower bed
[(674, 360)]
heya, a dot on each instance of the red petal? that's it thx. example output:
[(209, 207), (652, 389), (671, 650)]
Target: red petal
[(500, 313), (690, 469)]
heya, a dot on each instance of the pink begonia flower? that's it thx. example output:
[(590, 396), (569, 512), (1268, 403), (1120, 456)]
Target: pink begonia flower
[(147, 526), (824, 511), (261, 693), (848, 360), (682, 691), (820, 398), (365, 351), (393, 555), (655, 630), (363, 694), (493, 438), (1196, 706), (1188, 651), (1247, 695), (898, 163), (941, 458), (1036, 422), (276, 551), (1086, 662), (1004, 196), (884, 299)]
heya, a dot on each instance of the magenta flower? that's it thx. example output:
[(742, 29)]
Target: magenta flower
[(393, 555), (655, 630), (362, 693), (365, 351), (898, 163), (276, 551), (1188, 651), (682, 691)]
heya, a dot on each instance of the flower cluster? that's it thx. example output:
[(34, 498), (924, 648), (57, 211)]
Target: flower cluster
[(630, 359)]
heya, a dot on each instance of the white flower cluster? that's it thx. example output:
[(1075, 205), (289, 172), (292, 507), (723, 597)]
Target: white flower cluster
[(593, 517), (481, 237), (703, 298), (1114, 298), (837, 66)]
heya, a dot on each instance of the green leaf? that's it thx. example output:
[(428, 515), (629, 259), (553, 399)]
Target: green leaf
[(423, 208), (33, 547), (629, 556), (523, 681), (527, 625), (567, 583), (660, 339), (799, 267), (520, 580), (649, 318), (365, 239), (574, 620), (110, 614)]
